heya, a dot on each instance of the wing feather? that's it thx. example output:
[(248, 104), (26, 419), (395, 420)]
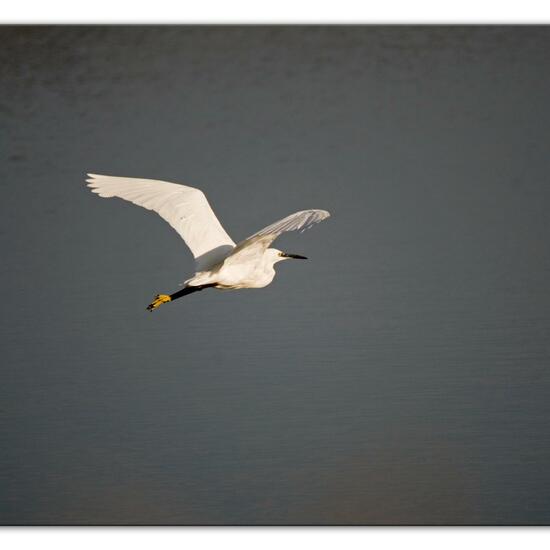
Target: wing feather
[(185, 208), (299, 221)]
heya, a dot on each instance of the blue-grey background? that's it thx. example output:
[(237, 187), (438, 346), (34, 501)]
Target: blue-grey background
[(401, 375)]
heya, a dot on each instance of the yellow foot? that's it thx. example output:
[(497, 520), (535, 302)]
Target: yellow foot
[(158, 301)]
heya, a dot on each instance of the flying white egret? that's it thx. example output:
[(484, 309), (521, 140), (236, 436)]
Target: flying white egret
[(220, 263)]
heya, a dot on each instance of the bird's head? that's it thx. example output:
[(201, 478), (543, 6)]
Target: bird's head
[(278, 255)]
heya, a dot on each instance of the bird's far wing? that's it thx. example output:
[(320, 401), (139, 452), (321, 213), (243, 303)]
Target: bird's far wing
[(184, 208), (261, 240), (298, 221)]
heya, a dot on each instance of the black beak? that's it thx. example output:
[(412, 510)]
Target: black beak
[(295, 256)]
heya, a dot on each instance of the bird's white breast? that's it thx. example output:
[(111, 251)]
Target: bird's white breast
[(247, 275)]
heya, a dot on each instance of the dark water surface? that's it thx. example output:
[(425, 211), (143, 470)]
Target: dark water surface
[(400, 376)]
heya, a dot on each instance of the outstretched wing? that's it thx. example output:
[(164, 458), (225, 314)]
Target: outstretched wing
[(184, 208), (298, 221), (262, 239)]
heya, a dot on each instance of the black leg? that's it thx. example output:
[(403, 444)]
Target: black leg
[(163, 298), (187, 290)]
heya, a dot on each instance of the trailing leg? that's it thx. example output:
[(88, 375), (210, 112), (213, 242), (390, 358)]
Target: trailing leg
[(164, 298)]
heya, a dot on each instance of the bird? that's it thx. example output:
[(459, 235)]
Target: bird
[(219, 262)]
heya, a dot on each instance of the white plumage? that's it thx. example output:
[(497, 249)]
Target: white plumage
[(184, 208), (219, 262)]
